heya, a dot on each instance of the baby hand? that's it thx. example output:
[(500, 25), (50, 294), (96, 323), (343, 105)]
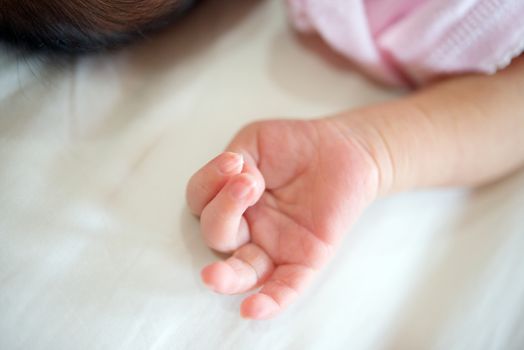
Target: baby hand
[(280, 199)]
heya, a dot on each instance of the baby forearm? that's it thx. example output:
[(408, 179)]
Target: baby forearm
[(464, 131)]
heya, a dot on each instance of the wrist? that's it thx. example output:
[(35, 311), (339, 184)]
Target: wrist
[(367, 138), (392, 140), (371, 141)]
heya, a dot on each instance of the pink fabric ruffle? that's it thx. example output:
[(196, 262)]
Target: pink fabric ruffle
[(410, 42)]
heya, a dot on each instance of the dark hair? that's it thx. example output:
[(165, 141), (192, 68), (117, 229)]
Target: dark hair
[(78, 26)]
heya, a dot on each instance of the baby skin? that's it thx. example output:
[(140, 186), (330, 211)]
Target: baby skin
[(282, 196)]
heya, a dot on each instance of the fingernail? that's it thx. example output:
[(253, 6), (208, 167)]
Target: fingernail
[(241, 189), (231, 164)]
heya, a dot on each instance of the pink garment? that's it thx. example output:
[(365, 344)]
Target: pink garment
[(409, 42)]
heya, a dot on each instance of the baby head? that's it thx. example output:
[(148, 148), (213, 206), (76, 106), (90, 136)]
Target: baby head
[(77, 26)]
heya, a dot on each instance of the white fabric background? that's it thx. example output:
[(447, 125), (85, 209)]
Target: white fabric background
[(97, 249)]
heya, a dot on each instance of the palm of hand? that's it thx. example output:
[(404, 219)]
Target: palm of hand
[(305, 182)]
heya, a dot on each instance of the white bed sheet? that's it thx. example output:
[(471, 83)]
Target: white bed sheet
[(97, 249)]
